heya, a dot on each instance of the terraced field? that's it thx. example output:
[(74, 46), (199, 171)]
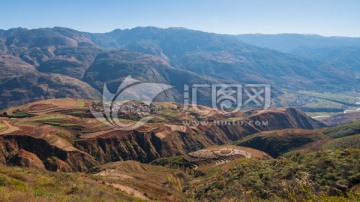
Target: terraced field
[(143, 181), (6, 127), (205, 159)]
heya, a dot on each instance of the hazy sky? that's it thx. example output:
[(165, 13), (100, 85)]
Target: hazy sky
[(325, 17)]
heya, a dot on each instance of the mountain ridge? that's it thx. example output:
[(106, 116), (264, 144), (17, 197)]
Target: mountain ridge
[(193, 55)]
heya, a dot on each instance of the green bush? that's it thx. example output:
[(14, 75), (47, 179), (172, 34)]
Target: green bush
[(2, 180), (309, 177)]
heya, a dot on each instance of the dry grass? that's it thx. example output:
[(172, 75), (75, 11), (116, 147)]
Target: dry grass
[(17, 184), (153, 182)]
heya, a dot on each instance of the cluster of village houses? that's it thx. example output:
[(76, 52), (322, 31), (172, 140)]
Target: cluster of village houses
[(135, 109), (302, 100)]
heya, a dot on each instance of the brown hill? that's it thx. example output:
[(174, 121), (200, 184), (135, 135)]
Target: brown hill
[(56, 50), (276, 143), (72, 140), (21, 83)]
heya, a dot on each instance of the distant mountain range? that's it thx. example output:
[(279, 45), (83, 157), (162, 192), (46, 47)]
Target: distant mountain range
[(61, 62), (182, 153)]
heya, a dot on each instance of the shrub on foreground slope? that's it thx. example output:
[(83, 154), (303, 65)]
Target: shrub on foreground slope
[(316, 176)]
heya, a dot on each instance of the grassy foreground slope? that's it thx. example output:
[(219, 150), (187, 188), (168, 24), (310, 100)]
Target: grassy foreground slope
[(118, 181), (320, 176), (19, 184)]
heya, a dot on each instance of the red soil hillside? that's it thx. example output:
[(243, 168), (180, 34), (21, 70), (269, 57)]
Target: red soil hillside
[(64, 136)]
